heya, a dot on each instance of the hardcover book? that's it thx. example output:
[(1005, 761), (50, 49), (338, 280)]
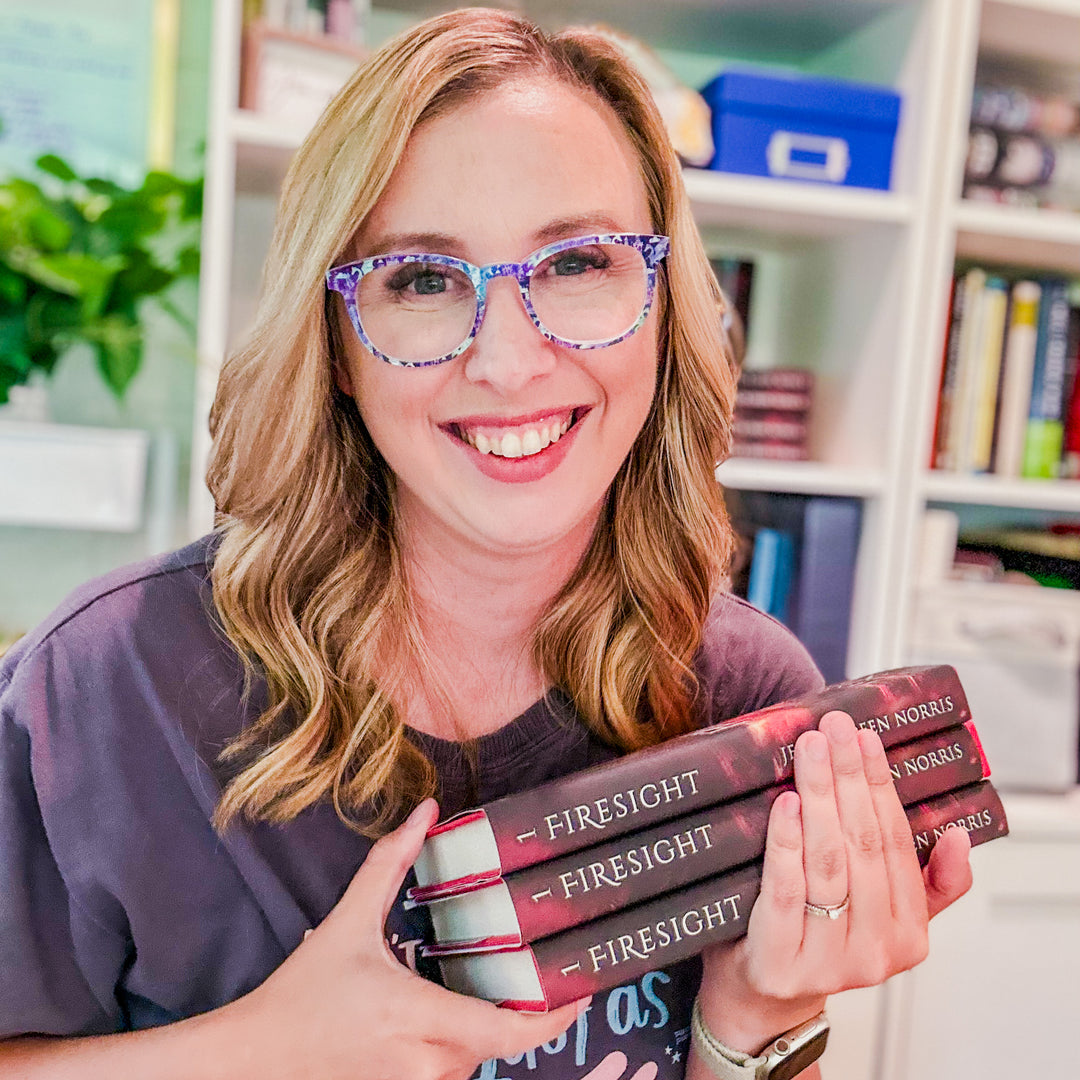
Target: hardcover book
[(687, 773), (575, 889), (1045, 427), (624, 946)]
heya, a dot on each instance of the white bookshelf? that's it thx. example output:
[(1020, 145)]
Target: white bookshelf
[(850, 284)]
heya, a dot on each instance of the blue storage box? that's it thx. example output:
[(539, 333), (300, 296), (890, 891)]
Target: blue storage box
[(801, 127)]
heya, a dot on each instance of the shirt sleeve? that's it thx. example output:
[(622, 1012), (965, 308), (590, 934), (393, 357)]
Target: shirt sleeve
[(748, 660), (58, 967)]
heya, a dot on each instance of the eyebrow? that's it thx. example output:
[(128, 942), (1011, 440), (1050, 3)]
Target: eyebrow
[(444, 244)]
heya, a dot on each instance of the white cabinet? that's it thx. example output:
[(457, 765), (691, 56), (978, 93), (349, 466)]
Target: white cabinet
[(998, 996)]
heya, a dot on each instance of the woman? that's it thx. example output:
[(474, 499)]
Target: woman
[(469, 540)]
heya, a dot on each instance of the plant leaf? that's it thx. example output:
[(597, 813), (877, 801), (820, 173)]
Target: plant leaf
[(56, 166), (118, 343), (76, 275), (48, 229)]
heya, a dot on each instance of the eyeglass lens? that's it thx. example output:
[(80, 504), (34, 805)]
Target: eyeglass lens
[(418, 312)]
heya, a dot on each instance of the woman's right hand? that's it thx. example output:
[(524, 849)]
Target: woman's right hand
[(342, 1006)]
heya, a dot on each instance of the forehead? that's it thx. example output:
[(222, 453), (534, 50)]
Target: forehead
[(504, 169)]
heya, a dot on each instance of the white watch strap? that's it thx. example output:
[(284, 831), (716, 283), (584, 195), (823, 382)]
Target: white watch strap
[(723, 1062)]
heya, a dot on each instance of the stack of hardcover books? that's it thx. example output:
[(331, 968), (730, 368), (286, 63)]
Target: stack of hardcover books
[(772, 414), (592, 880)]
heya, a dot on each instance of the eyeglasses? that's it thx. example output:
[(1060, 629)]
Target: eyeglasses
[(416, 310)]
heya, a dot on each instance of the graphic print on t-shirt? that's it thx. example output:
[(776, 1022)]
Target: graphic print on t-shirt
[(638, 1031)]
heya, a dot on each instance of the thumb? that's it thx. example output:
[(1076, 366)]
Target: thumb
[(948, 873), (375, 886)]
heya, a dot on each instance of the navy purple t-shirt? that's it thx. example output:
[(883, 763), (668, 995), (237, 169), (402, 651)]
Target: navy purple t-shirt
[(121, 907)]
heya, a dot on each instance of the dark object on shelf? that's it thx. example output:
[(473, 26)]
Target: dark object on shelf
[(1051, 558), (825, 534), (798, 127)]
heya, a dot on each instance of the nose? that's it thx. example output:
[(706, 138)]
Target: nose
[(508, 351)]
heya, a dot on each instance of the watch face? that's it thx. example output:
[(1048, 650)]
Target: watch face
[(800, 1057)]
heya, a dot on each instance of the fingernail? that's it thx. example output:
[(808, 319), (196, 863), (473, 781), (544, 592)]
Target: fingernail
[(421, 812), (838, 726), (817, 746)]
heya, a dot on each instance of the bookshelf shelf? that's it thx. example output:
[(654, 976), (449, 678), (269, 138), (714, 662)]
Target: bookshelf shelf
[(789, 208), (250, 128), (1014, 235), (803, 478), (1063, 495)]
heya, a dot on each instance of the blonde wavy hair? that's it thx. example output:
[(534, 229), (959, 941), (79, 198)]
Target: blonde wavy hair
[(308, 577)]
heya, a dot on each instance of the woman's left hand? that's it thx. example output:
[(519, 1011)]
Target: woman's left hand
[(844, 834)]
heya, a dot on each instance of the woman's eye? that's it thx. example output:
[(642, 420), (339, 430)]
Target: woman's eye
[(418, 279), (576, 262)]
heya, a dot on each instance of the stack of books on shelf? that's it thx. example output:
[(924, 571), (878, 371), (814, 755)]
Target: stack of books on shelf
[(297, 54), (772, 414), (1009, 398), (343, 19), (1023, 148), (592, 880)]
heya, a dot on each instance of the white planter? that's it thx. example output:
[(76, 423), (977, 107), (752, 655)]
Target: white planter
[(68, 477)]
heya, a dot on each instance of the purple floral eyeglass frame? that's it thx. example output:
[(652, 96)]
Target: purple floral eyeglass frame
[(345, 279)]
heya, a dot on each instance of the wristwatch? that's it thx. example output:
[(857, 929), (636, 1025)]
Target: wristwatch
[(783, 1059)]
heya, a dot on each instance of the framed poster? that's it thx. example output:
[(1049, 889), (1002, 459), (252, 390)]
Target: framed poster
[(76, 80)]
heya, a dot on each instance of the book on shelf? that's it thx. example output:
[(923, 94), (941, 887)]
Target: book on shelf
[(1044, 434), (947, 387), (958, 434), (736, 279), (989, 346), (683, 775), (815, 600), (624, 945), (826, 584), (772, 570), (1070, 452), (556, 895), (1019, 369)]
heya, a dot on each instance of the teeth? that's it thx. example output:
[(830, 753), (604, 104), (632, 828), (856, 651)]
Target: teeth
[(515, 444)]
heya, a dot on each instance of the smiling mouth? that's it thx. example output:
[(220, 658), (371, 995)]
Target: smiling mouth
[(521, 440)]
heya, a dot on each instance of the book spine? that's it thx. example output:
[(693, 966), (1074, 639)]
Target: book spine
[(991, 344), (826, 583), (622, 947), (1045, 426), (1070, 452), (712, 765), (1016, 380), (797, 401), (576, 889), (771, 571), (947, 389), (963, 409), (794, 380), (769, 450)]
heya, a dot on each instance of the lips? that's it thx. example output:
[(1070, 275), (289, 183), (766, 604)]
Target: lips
[(516, 437)]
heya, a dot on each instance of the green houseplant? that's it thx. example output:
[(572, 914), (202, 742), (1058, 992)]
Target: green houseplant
[(77, 258)]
